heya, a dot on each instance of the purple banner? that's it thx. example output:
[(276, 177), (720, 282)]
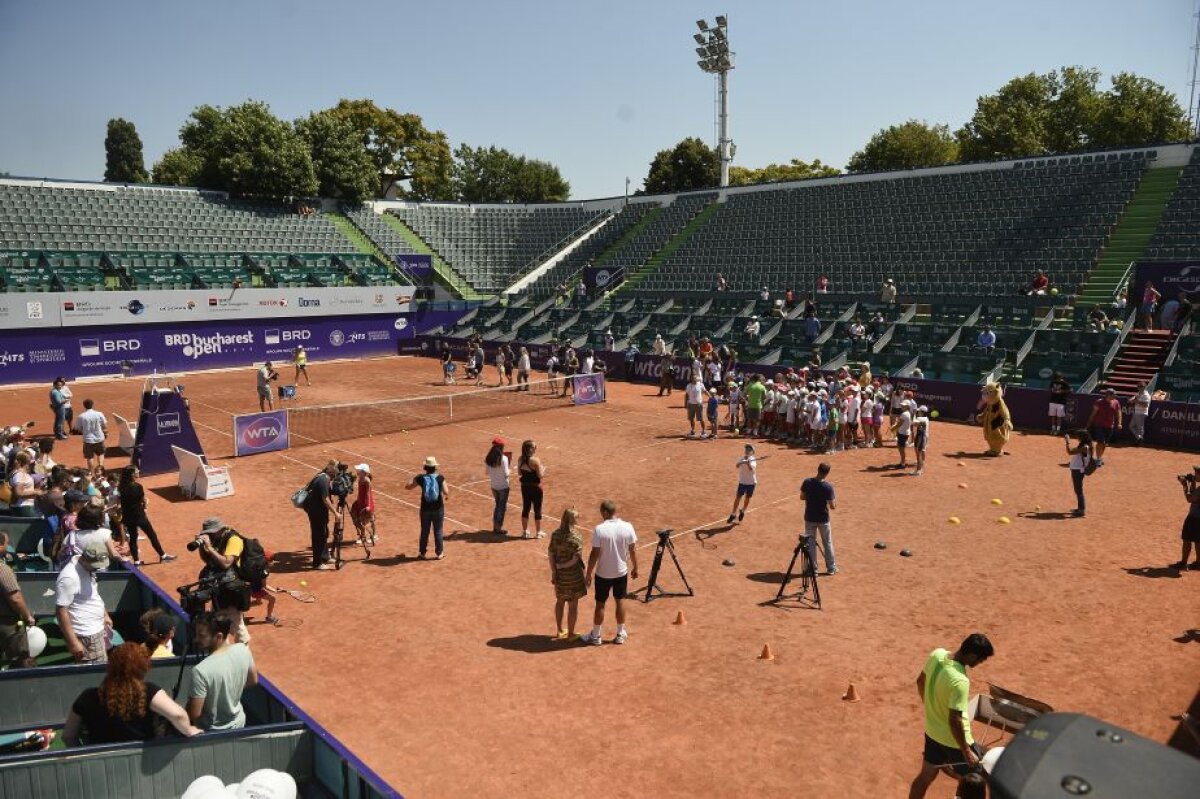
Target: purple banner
[(589, 389), (260, 432), (1171, 278), (419, 267), (163, 422), (602, 278)]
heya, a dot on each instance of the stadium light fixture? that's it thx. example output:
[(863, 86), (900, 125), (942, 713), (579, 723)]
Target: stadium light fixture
[(717, 59)]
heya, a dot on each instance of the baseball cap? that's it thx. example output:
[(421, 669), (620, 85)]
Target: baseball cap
[(96, 554), (74, 495), (211, 525), (363, 467), (497, 442)]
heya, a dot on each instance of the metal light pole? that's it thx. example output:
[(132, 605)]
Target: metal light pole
[(716, 58)]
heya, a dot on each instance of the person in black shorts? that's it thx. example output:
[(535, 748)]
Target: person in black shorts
[(530, 471), (1191, 523), (612, 561)]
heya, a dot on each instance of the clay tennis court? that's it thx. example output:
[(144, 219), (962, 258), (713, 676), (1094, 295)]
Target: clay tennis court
[(443, 678)]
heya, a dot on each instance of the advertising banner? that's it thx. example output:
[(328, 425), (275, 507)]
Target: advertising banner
[(589, 389), (124, 308), (419, 267), (163, 422), (1171, 278), (260, 432), (602, 278)]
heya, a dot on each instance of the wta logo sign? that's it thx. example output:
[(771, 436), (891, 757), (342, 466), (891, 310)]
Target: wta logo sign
[(589, 389), (260, 432)]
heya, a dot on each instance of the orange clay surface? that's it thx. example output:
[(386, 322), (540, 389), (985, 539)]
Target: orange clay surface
[(442, 677)]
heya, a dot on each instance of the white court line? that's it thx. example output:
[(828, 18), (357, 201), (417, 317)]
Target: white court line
[(718, 521)]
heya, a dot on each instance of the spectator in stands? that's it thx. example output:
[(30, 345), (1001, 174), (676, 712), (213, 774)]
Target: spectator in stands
[(433, 507), (812, 327), (630, 359), (263, 379), (610, 341), (660, 346), (1170, 311), (1104, 422), (695, 404), (530, 472), (1060, 394), (498, 468), (60, 404), (1081, 457), (122, 707), (81, 614), (1121, 301), (887, 294), (1150, 298), (1191, 523), (133, 515), (1040, 283), (666, 374), (612, 561), (764, 294), (94, 427), (15, 617), (24, 491), (215, 702), (819, 499), (90, 528), (752, 328), (1184, 315), (581, 294), (567, 573), (823, 284), (319, 507), (158, 626), (1139, 407), (986, 340), (789, 298), (722, 283), (300, 362), (857, 330), (945, 691), (43, 461)]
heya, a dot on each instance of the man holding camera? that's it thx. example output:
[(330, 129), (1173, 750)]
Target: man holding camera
[(318, 506), (1191, 523), (220, 547), (265, 376)]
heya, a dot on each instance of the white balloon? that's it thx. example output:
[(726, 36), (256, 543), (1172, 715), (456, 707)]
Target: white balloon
[(203, 786), (36, 637), (990, 757), (267, 784)]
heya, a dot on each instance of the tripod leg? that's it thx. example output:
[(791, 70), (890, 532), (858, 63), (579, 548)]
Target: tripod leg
[(658, 553), (679, 568), (787, 577)]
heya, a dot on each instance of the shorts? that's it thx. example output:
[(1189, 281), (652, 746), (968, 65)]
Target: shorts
[(1103, 435), (95, 450), (937, 754), (94, 649), (1148, 308), (695, 413), (746, 489), (901, 439), (1191, 529), (617, 586), (1058, 410), (264, 392), (752, 414), (852, 426)]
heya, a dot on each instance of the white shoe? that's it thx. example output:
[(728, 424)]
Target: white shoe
[(692, 434), (622, 637), (589, 639)]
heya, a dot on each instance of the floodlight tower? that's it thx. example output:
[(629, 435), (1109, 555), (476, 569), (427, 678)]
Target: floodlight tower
[(717, 59)]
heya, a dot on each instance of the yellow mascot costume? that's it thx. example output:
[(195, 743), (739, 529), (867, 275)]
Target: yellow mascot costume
[(995, 418)]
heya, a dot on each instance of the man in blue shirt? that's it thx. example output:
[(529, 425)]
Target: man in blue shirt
[(631, 353), (812, 328), (819, 500), (986, 340)]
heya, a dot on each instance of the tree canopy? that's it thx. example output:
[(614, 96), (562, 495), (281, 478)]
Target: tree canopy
[(342, 165), (778, 173), (123, 160), (691, 164), (909, 145), (493, 174), (401, 149)]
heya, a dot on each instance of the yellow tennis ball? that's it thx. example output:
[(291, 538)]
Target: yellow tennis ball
[(304, 582), (1004, 520), (934, 414), (954, 520), (997, 502)]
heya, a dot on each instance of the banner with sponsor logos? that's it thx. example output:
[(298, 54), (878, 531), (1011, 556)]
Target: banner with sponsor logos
[(260, 432), (589, 389), (602, 278), (419, 267), (39, 355), (1171, 278), (87, 308)]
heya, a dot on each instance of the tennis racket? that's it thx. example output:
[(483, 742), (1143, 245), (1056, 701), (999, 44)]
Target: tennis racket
[(300, 596), (757, 459)]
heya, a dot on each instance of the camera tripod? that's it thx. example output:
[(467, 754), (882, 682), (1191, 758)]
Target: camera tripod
[(807, 575), (665, 544)]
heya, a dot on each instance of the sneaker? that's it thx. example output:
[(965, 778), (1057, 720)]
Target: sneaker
[(1179, 566), (274, 620), (166, 558), (692, 434), (562, 635), (622, 637), (832, 571), (730, 519), (703, 436), (440, 556), (741, 515), (324, 567), (587, 638)]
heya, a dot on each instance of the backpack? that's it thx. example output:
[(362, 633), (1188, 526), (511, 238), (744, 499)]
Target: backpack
[(252, 563), (432, 490)]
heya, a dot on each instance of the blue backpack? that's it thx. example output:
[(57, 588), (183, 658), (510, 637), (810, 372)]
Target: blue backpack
[(432, 491)]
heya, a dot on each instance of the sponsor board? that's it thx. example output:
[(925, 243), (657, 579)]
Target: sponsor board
[(260, 432), (589, 389)]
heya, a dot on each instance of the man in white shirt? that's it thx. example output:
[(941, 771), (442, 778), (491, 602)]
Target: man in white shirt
[(888, 294), (853, 408), (1141, 409), (752, 327), (80, 611), (902, 427), (94, 427), (696, 394), (613, 542), (747, 469)]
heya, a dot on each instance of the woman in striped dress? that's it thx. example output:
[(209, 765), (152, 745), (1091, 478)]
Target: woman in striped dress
[(567, 573)]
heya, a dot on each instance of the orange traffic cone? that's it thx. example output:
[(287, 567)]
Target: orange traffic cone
[(767, 654), (851, 694), (679, 619)]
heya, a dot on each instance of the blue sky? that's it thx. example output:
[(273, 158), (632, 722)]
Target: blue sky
[(596, 88)]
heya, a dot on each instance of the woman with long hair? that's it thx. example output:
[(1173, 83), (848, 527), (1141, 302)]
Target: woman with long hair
[(133, 515), (530, 471), (498, 466), (362, 512), (567, 573), (1081, 457), (122, 708)]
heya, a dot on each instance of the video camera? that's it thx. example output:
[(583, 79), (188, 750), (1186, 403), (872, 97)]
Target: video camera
[(224, 590), (343, 482)]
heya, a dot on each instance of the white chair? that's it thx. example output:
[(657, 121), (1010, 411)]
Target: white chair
[(198, 479), (127, 434)]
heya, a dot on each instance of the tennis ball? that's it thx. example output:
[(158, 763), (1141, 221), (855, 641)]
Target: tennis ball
[(954, 520), (962, 463), (997, 502), (1053, 292), (934, 414), (1004, 520), (304, 582), (962, 485)]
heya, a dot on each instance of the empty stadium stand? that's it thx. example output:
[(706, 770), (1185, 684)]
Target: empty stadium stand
[(1177, 236), (594, 250)]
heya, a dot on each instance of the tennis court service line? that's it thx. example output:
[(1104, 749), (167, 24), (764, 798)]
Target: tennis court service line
[(716, 522)]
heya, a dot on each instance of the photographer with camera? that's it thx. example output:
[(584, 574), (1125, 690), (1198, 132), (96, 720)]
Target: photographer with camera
[(220, 548), (1191, 523), (265, 376), (319, 507)]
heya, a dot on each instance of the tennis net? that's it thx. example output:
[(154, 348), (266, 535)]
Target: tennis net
[(325, 423)]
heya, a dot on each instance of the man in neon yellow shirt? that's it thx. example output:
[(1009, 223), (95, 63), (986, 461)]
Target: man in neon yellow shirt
[(756, 392), (945, 690)]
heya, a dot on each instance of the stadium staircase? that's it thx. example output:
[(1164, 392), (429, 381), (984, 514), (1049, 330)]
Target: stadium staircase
[(364, 244), (616, 246), (442, 271), (1131, 236), (1139, 359), (655, 261)]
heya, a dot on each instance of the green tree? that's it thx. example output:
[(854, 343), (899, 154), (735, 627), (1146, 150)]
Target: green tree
[(1010, 123), (691, 164), (779, 173), (1137, 111), (342, 166), (402, 149), (123, 161), (909, 145), (493, 174), (244, 150)]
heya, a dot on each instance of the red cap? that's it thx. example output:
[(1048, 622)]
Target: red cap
[(497, 442)]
